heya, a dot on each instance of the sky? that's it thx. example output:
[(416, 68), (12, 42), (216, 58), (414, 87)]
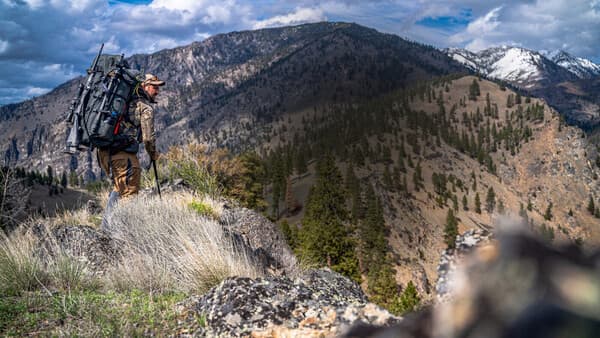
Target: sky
[(44, 43)]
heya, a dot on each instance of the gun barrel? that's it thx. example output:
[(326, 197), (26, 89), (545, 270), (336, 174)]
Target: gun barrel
[(78, 105)]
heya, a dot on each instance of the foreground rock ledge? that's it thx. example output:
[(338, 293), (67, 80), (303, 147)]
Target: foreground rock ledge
[(316, 304)]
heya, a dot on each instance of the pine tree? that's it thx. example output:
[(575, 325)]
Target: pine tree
[(387, 179), (63, 179), (490, 200), (474, 90), (547, 233), (353, 188), (465, 203), (50, 173), (451, 230), (301, 163), (418, 176), (73, 180), (382, 286), (291, 205), (522, 211), (278, 179), (501, 207), (409, 300), (591, 206), (290, 233), (548, 214), (372, 231), (477, 203), (248, 183), (510, 101), (324, 239)]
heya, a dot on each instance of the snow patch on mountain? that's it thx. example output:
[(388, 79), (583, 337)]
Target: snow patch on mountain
[(526, 68), (582, 68), (517, 65)]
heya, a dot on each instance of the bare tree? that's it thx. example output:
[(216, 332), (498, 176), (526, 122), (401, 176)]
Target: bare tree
[(13, 199)]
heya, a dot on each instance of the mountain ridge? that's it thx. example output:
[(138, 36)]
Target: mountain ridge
[(368, 103), (567, 83)]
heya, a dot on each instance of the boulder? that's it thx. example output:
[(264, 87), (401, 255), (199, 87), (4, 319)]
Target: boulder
[(316, 303), (96, 250), (261, 236)]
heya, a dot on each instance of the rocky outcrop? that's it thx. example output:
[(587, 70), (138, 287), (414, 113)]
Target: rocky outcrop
[(450, 258), (94, 249), (319, 303), (261, 236)]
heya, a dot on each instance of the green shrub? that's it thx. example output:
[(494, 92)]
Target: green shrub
[(90, 314), (203, 209), (408, 301), (96, 187)]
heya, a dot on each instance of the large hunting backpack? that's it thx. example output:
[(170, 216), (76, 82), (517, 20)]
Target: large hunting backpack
[(101, 103)]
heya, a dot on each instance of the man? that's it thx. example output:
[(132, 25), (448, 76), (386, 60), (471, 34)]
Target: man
[(120, 161)]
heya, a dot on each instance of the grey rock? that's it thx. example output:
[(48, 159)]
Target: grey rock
[(95, 249), (262, 237), (319, 300)]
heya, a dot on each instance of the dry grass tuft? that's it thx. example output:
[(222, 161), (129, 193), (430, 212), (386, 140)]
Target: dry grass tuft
[(73, 218), (165, 245), (20, 269), (168, 245)]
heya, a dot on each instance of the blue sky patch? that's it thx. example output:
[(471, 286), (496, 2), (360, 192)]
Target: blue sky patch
[(448, 22)]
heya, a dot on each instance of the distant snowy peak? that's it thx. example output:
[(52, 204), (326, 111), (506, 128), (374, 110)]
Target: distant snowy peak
[(522, 67), (467, 58), (517, 65), (582, 68)]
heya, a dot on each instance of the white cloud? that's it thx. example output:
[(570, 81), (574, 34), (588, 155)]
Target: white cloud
[(35, 91), (191, 7), (478, 31), (301, 15), (539, 25), (3, 46)]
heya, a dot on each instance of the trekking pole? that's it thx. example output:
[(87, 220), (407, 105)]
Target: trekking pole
[(156, 178)]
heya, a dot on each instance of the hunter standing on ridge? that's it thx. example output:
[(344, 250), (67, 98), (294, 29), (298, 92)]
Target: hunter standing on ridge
[(120, 161)]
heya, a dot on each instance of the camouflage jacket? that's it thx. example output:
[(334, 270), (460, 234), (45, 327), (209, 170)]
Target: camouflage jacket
[(137, 126)]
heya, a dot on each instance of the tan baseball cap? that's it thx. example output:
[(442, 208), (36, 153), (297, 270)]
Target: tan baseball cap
[(152, 79)]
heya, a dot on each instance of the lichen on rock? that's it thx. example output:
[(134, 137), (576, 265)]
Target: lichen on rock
[(318, 302)]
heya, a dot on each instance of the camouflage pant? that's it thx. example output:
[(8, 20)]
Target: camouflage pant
[(126, 171)]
